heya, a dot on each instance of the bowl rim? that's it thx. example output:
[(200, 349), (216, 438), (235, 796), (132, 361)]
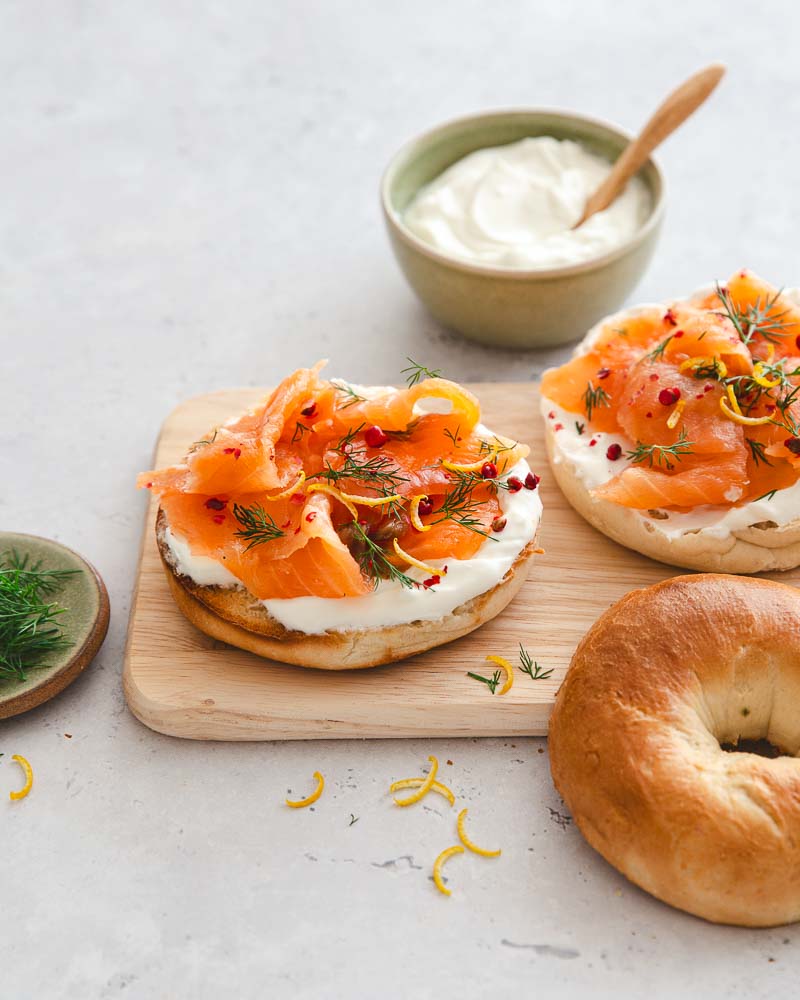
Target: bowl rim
[(394, 220)]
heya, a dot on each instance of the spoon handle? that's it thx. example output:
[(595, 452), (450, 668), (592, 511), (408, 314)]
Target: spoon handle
[(671, 113)]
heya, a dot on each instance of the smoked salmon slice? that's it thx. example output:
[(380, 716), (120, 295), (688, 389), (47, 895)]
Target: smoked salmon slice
[(306, 493)]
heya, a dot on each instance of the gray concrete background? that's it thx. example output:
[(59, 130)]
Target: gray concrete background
[(189, 202)]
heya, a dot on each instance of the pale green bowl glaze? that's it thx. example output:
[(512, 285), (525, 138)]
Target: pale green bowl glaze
[(501, 306)]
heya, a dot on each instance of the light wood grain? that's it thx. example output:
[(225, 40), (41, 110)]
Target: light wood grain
[(179, 681)]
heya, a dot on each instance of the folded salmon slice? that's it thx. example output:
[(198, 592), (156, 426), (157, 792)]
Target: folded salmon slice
[(717, 480), (256, 479)]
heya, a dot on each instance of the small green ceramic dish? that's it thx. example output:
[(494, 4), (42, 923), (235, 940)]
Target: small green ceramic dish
[(85, 623), (503, 306)]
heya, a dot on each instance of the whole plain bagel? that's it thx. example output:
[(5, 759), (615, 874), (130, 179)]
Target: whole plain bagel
[(660, 683)]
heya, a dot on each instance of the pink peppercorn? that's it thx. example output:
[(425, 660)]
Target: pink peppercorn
[(375, 437), (668, 397)]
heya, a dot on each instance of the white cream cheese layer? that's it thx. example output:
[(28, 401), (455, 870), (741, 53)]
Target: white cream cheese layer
[(515, 206), (586, 452), (390, 603)]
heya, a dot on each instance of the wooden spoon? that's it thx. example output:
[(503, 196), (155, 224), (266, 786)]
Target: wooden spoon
[(672, 112)]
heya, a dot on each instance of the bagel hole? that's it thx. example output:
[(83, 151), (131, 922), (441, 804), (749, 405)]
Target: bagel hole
[(762, 747)]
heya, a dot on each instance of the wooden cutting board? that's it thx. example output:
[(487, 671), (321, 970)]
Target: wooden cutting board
[(181, 682)]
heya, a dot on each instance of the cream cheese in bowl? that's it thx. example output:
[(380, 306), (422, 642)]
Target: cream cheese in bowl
[(514, 206)]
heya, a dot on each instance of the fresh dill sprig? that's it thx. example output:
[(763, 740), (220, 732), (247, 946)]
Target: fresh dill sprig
[(579, 427), (417, 372), (353, 819), (461, 506), (379, 472), (530, 667), (373, 560), (299, 431), (204, 441), (594, 398), (657, 354), (258, 526), (766, 496), (757, 450), (28, 627), (754, 318), (490, 682), (347, 390), (452, 435), (712, 369), (661, 454), (498, 446)]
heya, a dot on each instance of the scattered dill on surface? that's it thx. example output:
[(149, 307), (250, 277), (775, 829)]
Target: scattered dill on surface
[(530, 667), (490, 682)]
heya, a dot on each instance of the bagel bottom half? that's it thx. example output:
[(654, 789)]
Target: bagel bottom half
[(664, 679), (234, 616), (761, 547)]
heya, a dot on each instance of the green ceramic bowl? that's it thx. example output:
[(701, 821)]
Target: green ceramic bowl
[(503, 306)]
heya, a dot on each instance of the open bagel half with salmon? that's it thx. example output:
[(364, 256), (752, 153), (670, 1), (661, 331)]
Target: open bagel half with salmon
[(675, 429), (339, 526)]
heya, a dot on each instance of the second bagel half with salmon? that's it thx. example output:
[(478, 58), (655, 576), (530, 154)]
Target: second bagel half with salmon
[(675, 428)]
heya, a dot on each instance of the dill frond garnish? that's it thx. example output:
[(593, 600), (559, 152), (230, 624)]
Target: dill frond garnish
[(347, 390), (783, 394), (490, 682), (530, 667), (663, 455), (657, 354), (496, 445), (28, 627), (378, 472), (453, 435), (754, 318), (204, 441), (579, 427), (461, 506), (766, 496), (257, 526), (417, 372), (373, 561), (712, 369), (594, 398), (299, 431), (757, 450)]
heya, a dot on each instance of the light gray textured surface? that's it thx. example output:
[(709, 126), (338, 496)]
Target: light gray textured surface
[(189, 202)]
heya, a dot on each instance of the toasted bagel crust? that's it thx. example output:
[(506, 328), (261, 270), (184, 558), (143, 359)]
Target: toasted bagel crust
[(662, 679), (759, 548), (233, 615)]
